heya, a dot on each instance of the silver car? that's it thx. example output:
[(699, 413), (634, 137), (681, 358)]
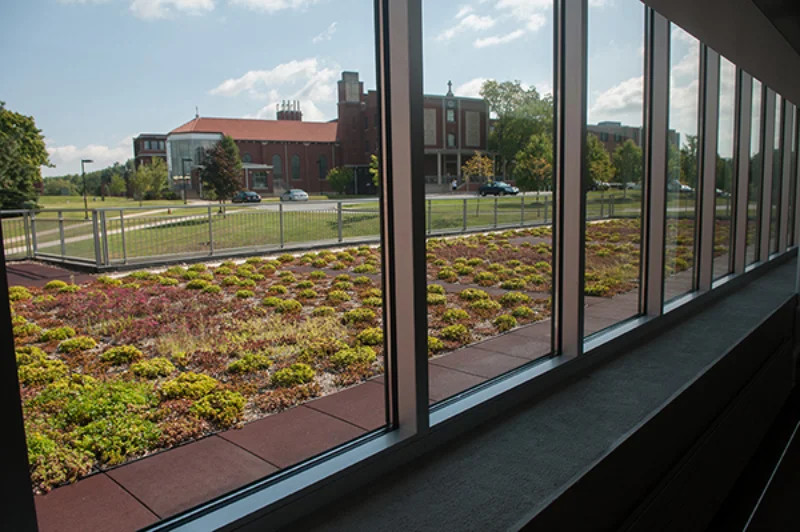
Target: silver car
[(294, 194)]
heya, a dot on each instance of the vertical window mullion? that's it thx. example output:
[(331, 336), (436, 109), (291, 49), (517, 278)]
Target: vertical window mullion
[(570, 175), (403, 202), (796, 178), (709, 130), (744, 117), (656, 113), (767, 151), (787, 123)]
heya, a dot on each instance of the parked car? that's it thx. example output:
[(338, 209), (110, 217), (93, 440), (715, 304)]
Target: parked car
[(294, 194), (630, 185), (498, 188), (246, 197), (723, 194), (677, 186), (598, 185)]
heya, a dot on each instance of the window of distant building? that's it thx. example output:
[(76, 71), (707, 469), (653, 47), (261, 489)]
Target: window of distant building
[(260, 179), (604, 137), (451, 115), (366, 122), (366, 146), (247, 158), (617, 138), (161, 145), (451, 140), (323, 167), (277, 168), (146, 145), (296, 167)]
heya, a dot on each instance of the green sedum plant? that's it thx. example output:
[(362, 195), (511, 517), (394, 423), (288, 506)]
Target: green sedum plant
[(371, 336), (212, 289), (55, 285), (512, 299), (359, 315), (244, 294), (485, 307), (289, 306), (505, 322), (434, 345), (18, 293), (456, 333), (188, 385), (249, 363), (294, 375), (197, 284), (454, 315), (323, 311), (338, 296), (224, 407), (435, 289), (79, 343), (59, 333), (122, 354), (153, 368), (472, 294), (351, 356)]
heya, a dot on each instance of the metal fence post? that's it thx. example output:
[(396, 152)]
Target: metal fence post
[(122, 236), (280, 212), (611, 207), (464, 213), (27, 229), (104, 231), (430, 215), (61, 233), (522, 211), (210, 232), (98, 259), (338, 221), (545, 212), (495, 212), (602, 208), (34, 242)]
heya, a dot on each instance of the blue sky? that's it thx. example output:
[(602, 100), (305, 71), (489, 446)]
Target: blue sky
[(94, 73)]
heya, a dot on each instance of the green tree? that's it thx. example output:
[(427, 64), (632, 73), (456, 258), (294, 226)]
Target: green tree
[(375, 170), (22, 153), (598, 162), (341, 178), (222, 174), (58, 186), (628, 162), (117, 187), (673, 163), (688, 162), (149, 180), (477, 167), (520, 113), (534, 164)]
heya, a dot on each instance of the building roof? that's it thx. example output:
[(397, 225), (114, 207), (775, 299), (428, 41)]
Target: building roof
[(271, 130)]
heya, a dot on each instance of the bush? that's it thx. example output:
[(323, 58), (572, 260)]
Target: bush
[(155, 367), (463, 269), (190, 275), (231, 280), (323, 311), (306, 294), (287, 277), (376, 302), (176, 270), (505, 322), (72, 288), (292, 376), (513, 284), (250, 362), (52, 464), (289, 306), (456, 333), (247, 283), (197, 284), (59, 333), (141, 276), (41, 371), (447, 274), (319, 263), (79, 343), (108, 281), (434, 345), (437, 299), (223, 407), (26, 329), (245, 271), (523, 312), (341, 277), (167, 281), (342, 285), (286, 258), (454, 315), (511, 299), (474, 261), (338, 296), (115, 438), (200, 267), (212, 289), (436, 289), (372, 292), (55, 285), (244, 294), (597, 289), (122, 354), (222, 270), (188, 385), (303, 285), (278, 289), (371, 336), (353, 356), (359, 315), (29, 354), (365, 268), (271, 301), (254, 260), (317, 274), (257, 277), (485, 278), (485, 307), (472, 294), (18, 293)]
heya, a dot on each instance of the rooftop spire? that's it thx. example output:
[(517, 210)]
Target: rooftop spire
[(450, 88)]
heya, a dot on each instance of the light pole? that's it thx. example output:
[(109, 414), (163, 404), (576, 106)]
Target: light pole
[(85, 201), (183, 163)]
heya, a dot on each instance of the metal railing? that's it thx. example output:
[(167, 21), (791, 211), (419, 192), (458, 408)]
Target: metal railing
[(114, 237)]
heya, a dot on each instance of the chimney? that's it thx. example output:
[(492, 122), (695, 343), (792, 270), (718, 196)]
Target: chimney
[(289, 110)]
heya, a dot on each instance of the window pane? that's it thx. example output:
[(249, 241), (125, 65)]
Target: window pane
[(614, 162), (725, 180), (777, 176), (295, 167), (682, 165), (792, 179), (490, 242), (754, 185)]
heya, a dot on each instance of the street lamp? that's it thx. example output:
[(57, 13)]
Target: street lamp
[(183, 163), (85, 201)]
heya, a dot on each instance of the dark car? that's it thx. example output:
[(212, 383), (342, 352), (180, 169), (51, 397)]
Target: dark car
[(246, 197), (498, 188)]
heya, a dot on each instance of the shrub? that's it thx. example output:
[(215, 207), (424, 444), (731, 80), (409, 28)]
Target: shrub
[(212, 289), (245, 271), (41, 371), (249, 362), (342, 285), (286, 258), (513, 263), (511, 299), (167, 281), (359, 315), (79, 343), (372, 292), (454, 315), (523, 312), (231, 280), (485, 307), (323, 311), (121, 354), (155, 367), (474, 261), (188, 385), (456, 333), (302, 285), (365, 268), (342, 277), (257, 277), (289, 306), (197, 284), (278, 289), (228, 264), (189, 275), (176, 270), (108, 281), (29, 354), (72, 288), (597, 289), (447, 274), (505, 322), (317, 274), (376, 302), (338, 296), (306, 294), (485, 278), (294, 375), (223, 407), (319, 263), (115, 438), (271, 301), (200, 267), (254, 260), (287, 277), (244, 294), (141, 276), (371, 336), (473, 294), (52, 464), (437, 299), (535, 279), (247, 283), (18, 293), (353, 356), (513, 284), (59, 333), (434, 345), (222, 270), (26, 329), (435, 289), (362, 280), (55, 285), (345, 256), (463, 269)]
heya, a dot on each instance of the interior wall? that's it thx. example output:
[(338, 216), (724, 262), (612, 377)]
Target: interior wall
[(739, 31)]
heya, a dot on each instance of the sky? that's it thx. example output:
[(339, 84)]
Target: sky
[(96, 73)]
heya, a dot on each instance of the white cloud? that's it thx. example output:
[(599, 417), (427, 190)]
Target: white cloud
[(67, 158), (470, 89), (599, 3), (544, 88), (272, 6), (155, 9), (325, 35), (623, 102), (498, 39), (464, 11), (533, 13), (469, 22)]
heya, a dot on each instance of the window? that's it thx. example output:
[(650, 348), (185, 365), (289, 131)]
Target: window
[(451, 115), (246, 158), (451, 140), (777, 177), (754, 185), (295, 167), (259, 179), (617, 137), (366, 122), (366, 146), (603, 136), (323, 167), (277, 168), (147, 145), (725, 180)]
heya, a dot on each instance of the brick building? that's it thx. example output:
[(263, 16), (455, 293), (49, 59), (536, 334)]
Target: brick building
[(147, 146), (614, 134)]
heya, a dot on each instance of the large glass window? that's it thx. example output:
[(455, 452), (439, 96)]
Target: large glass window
[(792, 179), (615, 169), (259, 179), (323, 167), (682, 165), (725, 180), (277, 168), (755, 173), (295, 167), (777, 177)]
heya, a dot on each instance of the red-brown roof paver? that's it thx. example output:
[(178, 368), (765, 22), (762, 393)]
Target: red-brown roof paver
[(445, 382), (363, 405), (480, 362), (38, 275), (272, 130)]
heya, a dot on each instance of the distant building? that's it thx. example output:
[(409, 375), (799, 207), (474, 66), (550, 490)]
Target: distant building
[(614, 134), (147, 146)]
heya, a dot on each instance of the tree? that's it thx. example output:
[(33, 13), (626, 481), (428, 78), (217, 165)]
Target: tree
[(598, 162), (222, 174), (56, 186), (22, 153), (341, 178), (520, 113), (477, 167), (149, 180), (375, 170), (688, 162), (534, 164), (117, 187), (673, 163), (628, 164)]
